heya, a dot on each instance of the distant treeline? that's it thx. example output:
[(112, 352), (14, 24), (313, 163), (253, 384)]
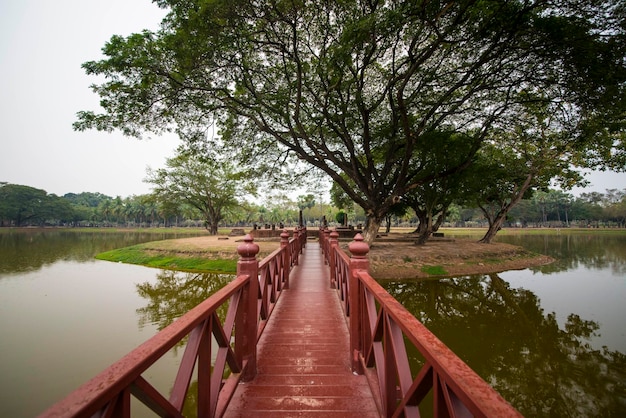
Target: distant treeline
[(27, 206), (555, 208)]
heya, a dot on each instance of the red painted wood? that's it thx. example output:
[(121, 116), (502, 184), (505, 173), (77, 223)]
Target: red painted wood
[(303, 358)]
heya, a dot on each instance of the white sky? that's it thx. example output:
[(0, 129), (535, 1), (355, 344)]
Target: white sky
[(42, 85)]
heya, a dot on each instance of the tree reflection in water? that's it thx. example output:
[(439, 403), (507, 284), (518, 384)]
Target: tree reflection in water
[(502, 333), (507, 338), (175, 293), (593, 251)]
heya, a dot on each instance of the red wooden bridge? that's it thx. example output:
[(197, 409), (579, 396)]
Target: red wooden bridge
[(308, 332)]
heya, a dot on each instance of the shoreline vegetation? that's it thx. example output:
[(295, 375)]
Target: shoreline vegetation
[(393, 255)]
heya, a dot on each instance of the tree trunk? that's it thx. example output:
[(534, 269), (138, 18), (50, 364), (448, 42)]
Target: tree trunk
[(429, 227), (211, 226), (494, 227), (426, 231), (439, 220), (372, 224), (422, 221), (496, 224)]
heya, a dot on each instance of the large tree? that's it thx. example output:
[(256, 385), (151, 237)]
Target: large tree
[(444, 152), (543, 143), (353, 87), (210, 185)]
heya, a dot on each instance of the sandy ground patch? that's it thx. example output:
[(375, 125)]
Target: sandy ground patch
[(224, 245), (395, 256), (401, 258)]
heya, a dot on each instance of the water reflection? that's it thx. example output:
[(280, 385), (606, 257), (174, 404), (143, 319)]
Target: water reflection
[(508, 339), (599, 252), (534, 334), (169, 297), (175, 293), (27, 250)]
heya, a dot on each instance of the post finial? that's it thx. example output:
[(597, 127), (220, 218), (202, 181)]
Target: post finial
[(359, 248), (284, 238), (248, 249)]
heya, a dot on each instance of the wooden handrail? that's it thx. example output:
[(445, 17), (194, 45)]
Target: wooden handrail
[(250, 297), (380, 327), (109, 392)]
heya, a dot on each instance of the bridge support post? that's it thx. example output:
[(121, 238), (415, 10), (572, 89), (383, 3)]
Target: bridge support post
[(286, 261), (334, 243), (246, 320), (358, 261)]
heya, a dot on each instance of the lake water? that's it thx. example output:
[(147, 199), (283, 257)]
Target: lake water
[(552, 340), (64, 316)]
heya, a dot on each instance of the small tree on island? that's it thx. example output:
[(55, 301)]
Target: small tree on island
[(206, 183)]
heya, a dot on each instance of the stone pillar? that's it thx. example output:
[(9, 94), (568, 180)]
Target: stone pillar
[(246, 320), (358, 261)]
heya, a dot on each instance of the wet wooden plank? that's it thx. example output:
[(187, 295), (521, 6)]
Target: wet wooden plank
[(303, 359)]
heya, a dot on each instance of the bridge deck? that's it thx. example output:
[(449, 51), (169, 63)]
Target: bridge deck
[(303, 355)]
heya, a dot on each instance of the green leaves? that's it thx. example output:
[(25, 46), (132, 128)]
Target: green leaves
[(356, 89), (209, 184)]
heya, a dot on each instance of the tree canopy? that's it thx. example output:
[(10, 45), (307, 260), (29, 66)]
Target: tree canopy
[(355, 88), (539, 147), (210, 185), (25, 205)]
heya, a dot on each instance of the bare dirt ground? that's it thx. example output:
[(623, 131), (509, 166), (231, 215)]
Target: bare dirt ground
[(216, 246), (392, 257), (399, 258)]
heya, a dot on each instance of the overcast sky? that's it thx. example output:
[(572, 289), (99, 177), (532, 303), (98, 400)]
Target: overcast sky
[(42, 85), (42, 46)]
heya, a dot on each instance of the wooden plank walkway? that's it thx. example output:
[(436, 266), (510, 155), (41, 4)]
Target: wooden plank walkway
[(303, 355)]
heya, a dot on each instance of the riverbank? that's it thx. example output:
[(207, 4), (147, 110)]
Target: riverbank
[(394, 256)]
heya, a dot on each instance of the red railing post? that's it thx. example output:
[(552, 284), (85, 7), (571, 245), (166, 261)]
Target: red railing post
[(246, 321), (334, 243), (358, 261), (326, 249), (286, 261)]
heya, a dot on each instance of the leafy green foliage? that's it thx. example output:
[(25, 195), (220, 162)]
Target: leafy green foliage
[(24, 205), (358, 90), (210, 185)]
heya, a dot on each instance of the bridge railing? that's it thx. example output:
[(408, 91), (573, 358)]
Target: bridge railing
[(250, 298), (380, 330)]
